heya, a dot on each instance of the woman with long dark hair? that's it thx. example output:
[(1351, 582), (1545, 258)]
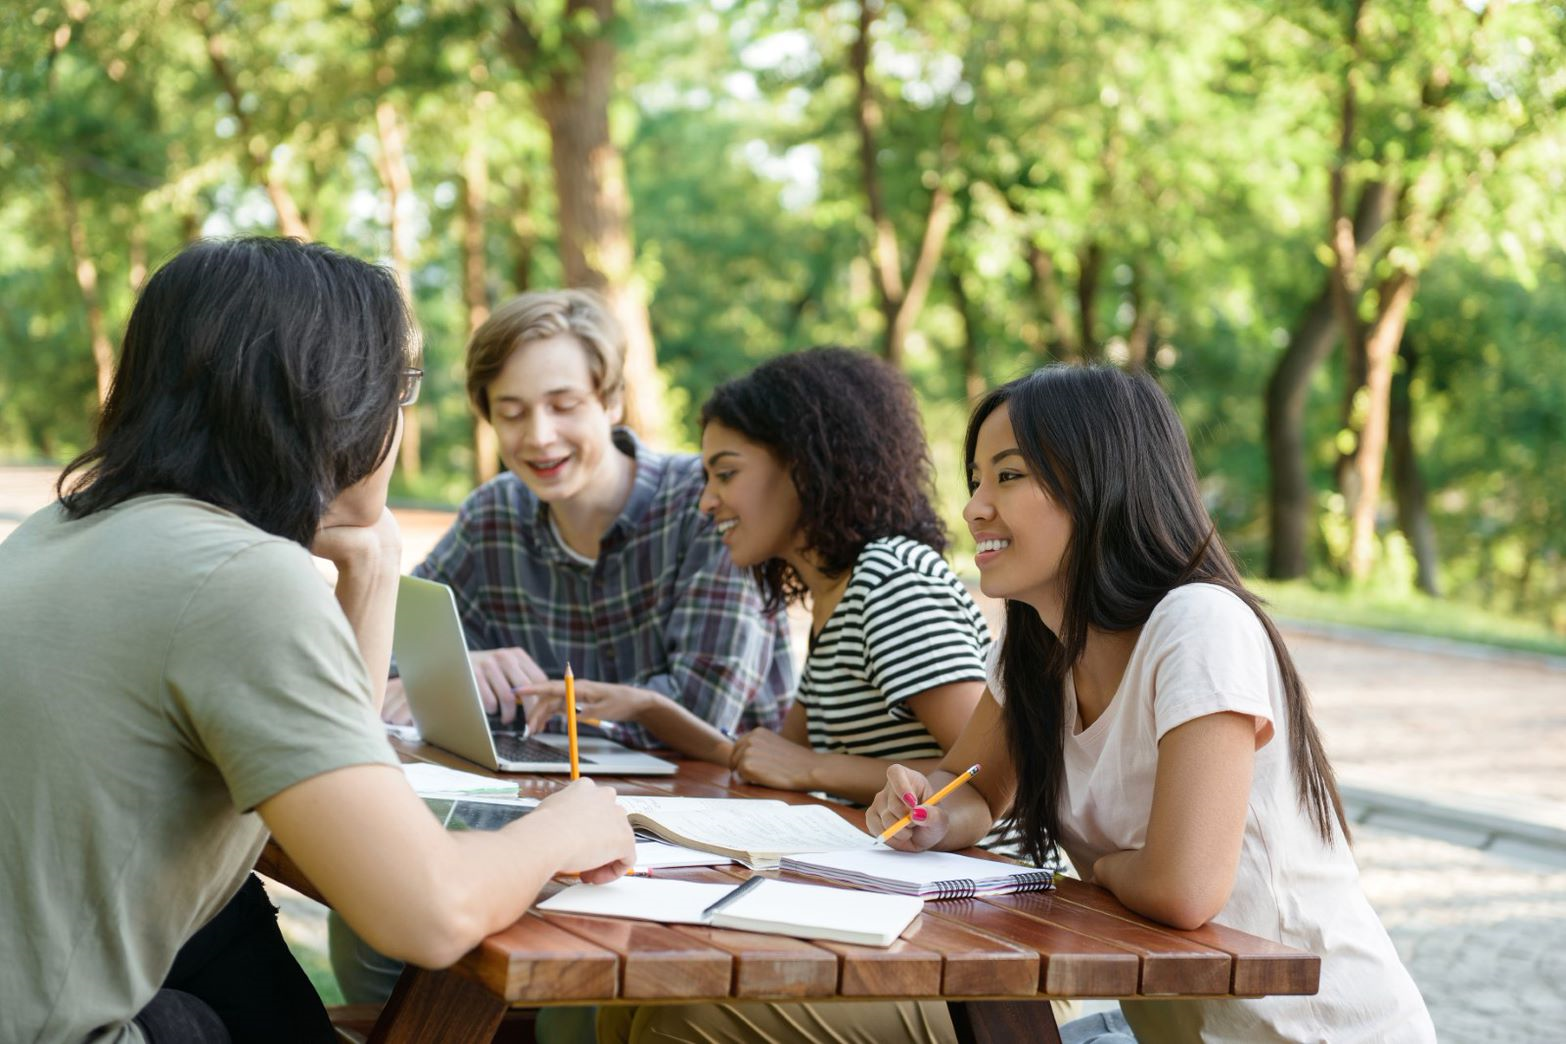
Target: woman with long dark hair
[(179, 681), (1144, 714), (819, 480)]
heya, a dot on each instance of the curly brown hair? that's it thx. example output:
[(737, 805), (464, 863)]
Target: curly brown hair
[(846, 427)]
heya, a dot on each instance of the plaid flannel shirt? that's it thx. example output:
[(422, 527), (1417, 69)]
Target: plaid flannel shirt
[(663, 607)]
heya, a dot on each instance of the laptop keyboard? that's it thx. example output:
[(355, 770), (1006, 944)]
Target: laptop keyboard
[(512, 747)]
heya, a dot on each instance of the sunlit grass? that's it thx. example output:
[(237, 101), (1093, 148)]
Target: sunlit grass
[(1409, 612)]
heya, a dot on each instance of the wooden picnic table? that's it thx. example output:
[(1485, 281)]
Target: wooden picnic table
[(996, 961)]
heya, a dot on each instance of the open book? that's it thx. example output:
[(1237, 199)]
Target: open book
[(774, 907), (758, 833), (929, 875)]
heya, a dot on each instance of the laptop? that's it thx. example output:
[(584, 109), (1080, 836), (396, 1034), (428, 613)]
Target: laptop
[(437, 677)]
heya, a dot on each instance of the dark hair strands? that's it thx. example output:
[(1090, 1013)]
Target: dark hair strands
[(257, 374), (846, 427), (1110, 449)]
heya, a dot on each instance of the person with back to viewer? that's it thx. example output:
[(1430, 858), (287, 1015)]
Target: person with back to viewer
[(1144, 714), (179, 680)]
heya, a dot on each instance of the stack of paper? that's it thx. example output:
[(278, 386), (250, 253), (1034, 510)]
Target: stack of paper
[(775, 907), (929, 875), (655, 855)]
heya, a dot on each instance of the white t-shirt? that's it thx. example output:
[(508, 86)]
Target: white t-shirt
[(1203, 651)]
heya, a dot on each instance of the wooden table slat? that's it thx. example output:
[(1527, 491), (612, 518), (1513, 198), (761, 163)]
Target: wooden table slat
[(1071, 964), (899, 970), (975, 964), (1171, 964), (655, 959), (534, 960), (772, 966), (764, 965), (1261, 966)]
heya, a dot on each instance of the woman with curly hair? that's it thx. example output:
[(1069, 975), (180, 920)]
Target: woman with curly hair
[(819, 480)]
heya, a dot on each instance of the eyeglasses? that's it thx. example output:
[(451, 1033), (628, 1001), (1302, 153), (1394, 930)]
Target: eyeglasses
[(408, 390)]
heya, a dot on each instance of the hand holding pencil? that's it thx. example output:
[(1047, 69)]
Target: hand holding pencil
[(909, 793)]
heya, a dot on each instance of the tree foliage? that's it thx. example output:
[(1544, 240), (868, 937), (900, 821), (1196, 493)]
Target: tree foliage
[(1229, 194)]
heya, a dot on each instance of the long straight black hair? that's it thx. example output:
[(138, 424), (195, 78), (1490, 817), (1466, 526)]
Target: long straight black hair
[(1108, 447), (261, 375)]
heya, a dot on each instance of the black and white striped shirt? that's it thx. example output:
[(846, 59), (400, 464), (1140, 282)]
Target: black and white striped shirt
[(905, 625)]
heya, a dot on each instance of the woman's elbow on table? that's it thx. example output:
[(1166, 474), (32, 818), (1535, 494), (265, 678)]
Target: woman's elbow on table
[(1185, 904)]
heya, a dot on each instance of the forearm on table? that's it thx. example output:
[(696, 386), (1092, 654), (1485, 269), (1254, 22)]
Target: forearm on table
[(676, 725), (856, 777), (501, 874), (442, 892), (1163, 889)]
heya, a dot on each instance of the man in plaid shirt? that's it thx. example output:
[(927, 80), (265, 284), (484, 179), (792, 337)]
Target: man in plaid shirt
[(591, 550)]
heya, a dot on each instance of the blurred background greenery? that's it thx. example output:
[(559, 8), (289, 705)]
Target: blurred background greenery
[(1334, 231)]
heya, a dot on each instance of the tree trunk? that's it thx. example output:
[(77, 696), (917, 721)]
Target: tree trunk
[(524, 238), (475, 287), (136, 274), (1091, 262), (1288, 389), (594, 203), (290, 221), (901, 301), (1058, 340), (972, 371), (1397, 293), (1139, 341), (937, 224), (1408, 485), (87, 282), (392, 165)]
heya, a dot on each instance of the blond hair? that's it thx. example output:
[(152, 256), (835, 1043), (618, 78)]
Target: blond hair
[(536, 316)]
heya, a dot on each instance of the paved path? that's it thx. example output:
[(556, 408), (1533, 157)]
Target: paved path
[(1483, 934)]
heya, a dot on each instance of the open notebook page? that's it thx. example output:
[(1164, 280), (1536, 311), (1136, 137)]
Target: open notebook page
[(776, 829)]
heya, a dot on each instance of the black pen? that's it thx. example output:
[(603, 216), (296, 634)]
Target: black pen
[(730, 896)]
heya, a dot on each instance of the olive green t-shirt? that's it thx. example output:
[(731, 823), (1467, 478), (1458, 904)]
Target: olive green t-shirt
[(165, 667)]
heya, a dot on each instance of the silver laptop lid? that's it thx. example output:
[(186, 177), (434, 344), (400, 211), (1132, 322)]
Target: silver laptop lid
[(437, 678), (437, 675)]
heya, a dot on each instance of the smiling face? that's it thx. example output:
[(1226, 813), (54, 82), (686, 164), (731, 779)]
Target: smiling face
[(555, 432), (1021, 531), (749, 495)]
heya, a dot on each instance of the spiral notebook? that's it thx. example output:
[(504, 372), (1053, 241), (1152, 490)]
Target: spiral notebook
[(928, 875)]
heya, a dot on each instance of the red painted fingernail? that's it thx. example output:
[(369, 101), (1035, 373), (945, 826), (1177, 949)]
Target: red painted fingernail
[(919, 815), (910, 799)]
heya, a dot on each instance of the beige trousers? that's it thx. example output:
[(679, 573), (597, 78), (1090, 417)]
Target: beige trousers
[(817, 1022)]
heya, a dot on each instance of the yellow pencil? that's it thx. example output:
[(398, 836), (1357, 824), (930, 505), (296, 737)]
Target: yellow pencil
[(570, 701), (934, 799)]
